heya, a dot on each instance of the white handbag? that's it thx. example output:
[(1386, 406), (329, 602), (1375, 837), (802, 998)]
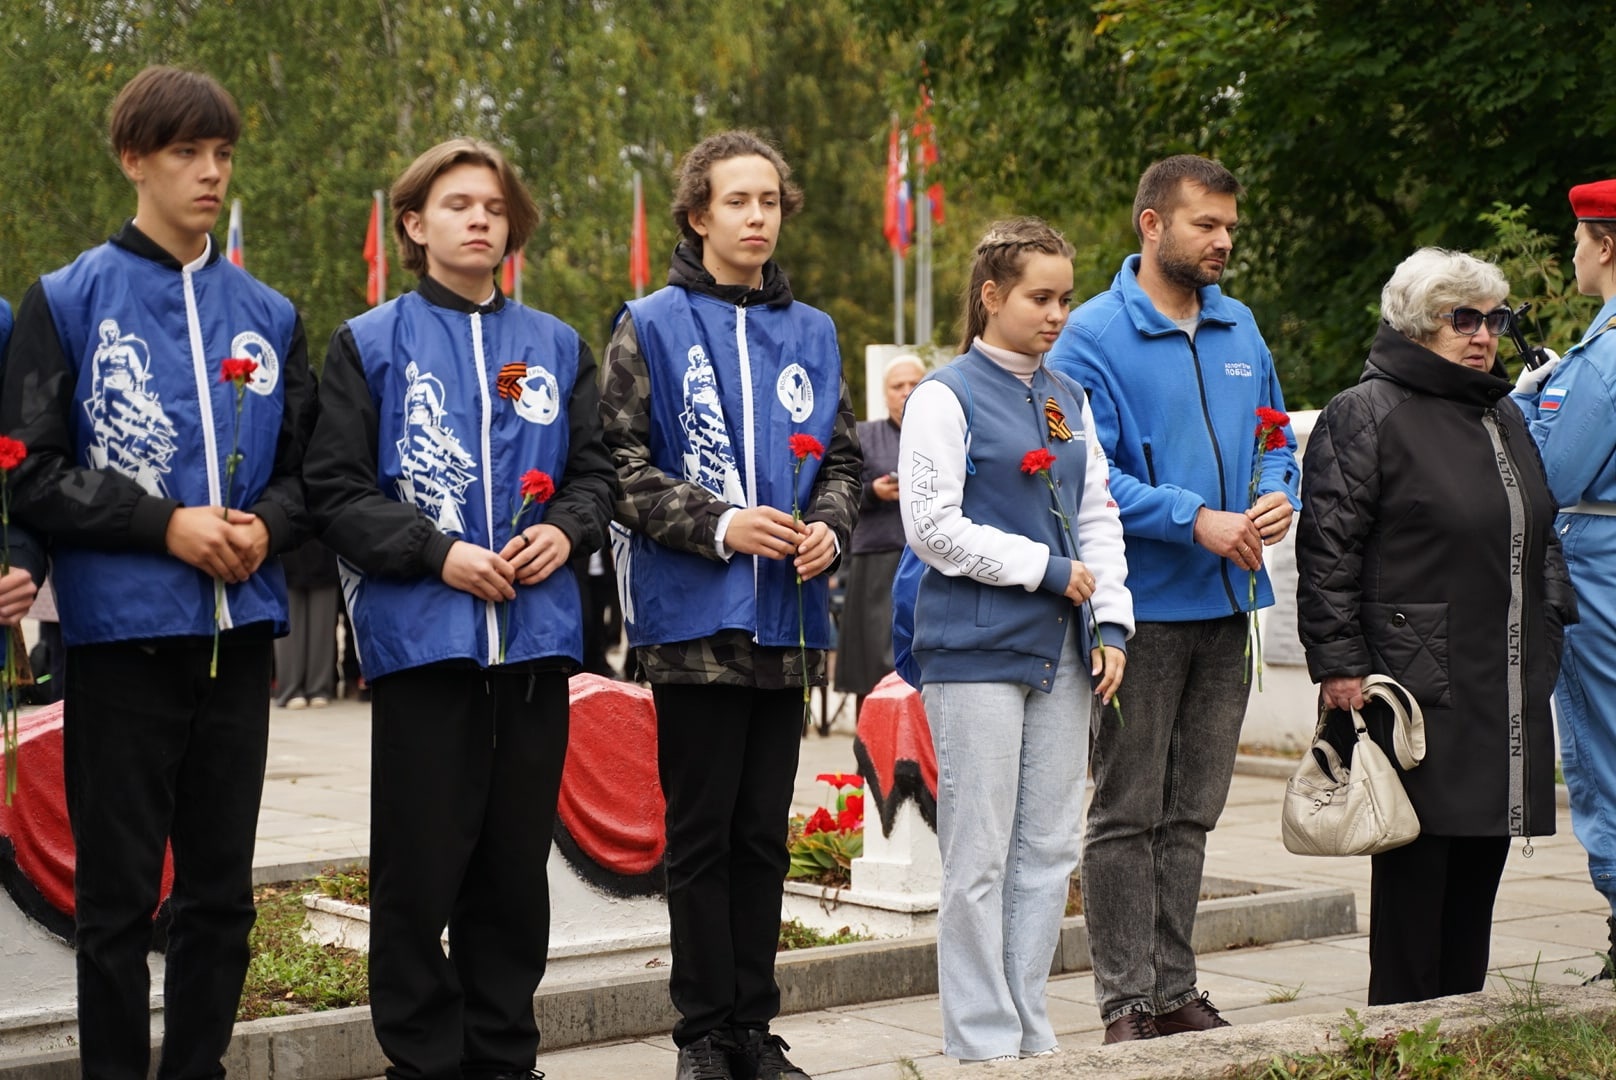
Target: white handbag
[(1333, 809)]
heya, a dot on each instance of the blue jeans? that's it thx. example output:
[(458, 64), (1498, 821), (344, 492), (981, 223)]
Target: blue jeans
[(1161, 777), (1009, 809)]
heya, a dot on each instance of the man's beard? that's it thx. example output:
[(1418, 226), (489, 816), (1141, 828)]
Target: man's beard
[(1181, 269)]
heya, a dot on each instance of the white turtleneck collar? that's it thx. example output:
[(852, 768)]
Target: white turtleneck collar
[(1022, 365)]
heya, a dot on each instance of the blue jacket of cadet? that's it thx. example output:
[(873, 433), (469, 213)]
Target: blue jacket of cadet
[(144, 346), (1570, 418), (449, 444), (984, 619), (729, 387), (1177, 417)]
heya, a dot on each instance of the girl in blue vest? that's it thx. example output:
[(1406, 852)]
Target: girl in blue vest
[(707, 381), (434, 406), (1003, 490)]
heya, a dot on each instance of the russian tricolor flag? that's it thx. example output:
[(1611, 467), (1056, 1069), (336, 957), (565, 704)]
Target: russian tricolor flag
[(232, 244), (1552, 399)]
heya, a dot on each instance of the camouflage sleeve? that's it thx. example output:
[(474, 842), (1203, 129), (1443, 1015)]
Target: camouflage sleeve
[(837, 486), (673, 512)]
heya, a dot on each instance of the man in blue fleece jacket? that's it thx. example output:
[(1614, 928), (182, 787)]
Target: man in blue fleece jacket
[(1175, 372)]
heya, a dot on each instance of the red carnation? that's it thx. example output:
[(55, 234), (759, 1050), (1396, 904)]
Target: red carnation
[(803, 445), (11, 453), (841, 779), (236, 369), (820, 822), (1037, 461), (537, 485)]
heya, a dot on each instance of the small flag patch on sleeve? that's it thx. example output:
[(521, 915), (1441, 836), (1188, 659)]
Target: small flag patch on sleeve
[(1553, 398)]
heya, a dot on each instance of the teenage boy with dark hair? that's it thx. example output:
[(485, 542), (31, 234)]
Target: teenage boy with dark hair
[(113, 382), (468, 620)]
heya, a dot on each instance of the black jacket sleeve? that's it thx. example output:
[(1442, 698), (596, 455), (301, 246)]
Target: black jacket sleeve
[(94, 508), (283, 507), (377, 534), (835, 495), (1340, 501), (583, 503)]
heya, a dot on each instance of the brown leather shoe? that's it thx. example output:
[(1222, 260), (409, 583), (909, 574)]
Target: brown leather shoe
[(1197, 1014), (1131, 1027)]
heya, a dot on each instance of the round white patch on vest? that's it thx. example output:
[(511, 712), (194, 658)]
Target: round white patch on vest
[(795, 392), (251, 345), (540, 400)]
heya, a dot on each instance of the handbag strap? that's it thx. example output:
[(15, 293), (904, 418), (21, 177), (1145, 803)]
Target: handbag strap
[(1408, 721)]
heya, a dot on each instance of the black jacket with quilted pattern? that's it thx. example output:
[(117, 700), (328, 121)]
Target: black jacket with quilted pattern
[(1426, 551)]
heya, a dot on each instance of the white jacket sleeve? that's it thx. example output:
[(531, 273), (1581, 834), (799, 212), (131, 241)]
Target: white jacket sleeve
[(1099, 537), (931, 487)]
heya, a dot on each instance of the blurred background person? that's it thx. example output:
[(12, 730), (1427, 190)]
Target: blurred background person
[(1426, 551), (864, 653), (306, 658)]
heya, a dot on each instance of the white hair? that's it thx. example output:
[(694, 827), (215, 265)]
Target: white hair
[(900, 359), (1434, 281)]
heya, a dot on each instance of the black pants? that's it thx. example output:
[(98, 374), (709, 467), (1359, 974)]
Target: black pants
[(158, 752), (1431, 917), (727, 756), (465, 771)]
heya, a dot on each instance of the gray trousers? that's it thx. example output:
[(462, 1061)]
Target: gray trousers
[(1161, 778), (306, 658)]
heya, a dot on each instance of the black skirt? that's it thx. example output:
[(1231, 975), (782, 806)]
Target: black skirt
[(864, 654)]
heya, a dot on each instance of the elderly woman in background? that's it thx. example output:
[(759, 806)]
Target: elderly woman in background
[(864, 655), (1426, 551)]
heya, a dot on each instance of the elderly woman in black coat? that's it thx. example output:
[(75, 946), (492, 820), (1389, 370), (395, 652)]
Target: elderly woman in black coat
[(1426, 552)]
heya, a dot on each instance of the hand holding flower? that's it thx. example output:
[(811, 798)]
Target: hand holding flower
[(1081, 585), (202, 537), (816, 552), (1272, 514), (764, 531), (17, 592), (537, 552), (478, 571)]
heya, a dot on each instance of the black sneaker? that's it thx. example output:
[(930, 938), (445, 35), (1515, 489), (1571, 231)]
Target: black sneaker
[(521, 1074), (706, 1059), (765, 1055)]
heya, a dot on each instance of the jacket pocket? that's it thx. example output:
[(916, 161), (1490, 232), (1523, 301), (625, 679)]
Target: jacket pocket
[(1409, 642)]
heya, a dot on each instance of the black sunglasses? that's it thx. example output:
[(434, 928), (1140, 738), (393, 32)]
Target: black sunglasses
[(1467, 320)]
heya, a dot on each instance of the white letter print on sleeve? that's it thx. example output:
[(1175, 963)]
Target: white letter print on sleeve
[(923, 486), (434, 468), (131, 433)]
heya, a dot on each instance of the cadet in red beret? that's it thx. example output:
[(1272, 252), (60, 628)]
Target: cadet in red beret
[(1570, 413)]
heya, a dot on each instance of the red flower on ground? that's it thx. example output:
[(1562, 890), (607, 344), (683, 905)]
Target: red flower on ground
[(12, 451), (841, 779), (852, 814), (236, 369), (537, 485), (803, 445), (820, 822), (1037, 461)]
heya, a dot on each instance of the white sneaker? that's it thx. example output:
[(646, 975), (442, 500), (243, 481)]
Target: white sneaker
[(319, 702), (297, 703), (1051, 1052), (986, 1061)]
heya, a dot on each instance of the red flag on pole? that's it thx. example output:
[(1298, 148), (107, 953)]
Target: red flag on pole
[(898, 212), (376, 254), (510, 275), (639, 250)]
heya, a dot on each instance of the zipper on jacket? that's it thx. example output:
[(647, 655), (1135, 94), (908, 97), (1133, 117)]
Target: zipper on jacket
[(1217, 456), (1515, 698), (204, 399), (1150, 466), (750, 435), (490, 612)]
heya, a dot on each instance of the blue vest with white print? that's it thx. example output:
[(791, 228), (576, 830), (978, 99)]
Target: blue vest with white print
[(466, 404), (729, 387), (144, 343)]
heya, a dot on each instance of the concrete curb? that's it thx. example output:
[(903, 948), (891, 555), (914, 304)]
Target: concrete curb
[(339, 1044), (1210, 1054)]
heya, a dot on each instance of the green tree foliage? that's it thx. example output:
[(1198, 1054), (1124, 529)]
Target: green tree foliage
[(337, 97), (1362, 128)]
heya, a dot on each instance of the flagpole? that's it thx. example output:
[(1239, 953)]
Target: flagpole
[(923, 259), (894, 208), (381, 246), (521, 264)]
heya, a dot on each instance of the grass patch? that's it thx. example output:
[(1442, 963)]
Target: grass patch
[(1283, 994), (350, 884), (1526, 1041), (796, 935), (289, 975)]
